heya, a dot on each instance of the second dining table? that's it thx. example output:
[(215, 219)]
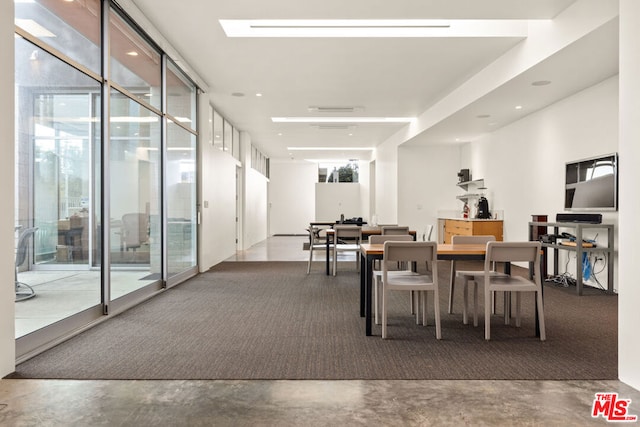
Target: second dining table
[(366, 232), (370, 252)]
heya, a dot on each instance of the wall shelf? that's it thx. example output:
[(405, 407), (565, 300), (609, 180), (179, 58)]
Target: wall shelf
[(472, 190), (476, 183)]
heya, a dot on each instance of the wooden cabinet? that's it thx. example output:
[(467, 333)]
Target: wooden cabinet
[(465, 227)]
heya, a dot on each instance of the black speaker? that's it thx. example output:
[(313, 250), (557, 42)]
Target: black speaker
[(577, 217), (464, 175)]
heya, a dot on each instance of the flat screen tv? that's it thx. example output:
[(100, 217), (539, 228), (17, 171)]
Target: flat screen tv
[(592, 184)]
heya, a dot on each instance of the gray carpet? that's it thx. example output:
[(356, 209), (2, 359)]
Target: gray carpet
[(269, 320)]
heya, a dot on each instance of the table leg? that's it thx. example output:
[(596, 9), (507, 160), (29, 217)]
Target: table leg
[(507, 297), (537, 320), (327, 253), (363, 282), (367, 303)]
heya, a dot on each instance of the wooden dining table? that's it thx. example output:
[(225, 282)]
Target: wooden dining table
[(370, 252)]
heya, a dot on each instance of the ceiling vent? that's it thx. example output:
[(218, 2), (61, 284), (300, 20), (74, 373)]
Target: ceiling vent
[(333, 126), (335, 109)]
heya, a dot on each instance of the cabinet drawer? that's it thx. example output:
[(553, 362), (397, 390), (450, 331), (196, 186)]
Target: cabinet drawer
[(458, 227)]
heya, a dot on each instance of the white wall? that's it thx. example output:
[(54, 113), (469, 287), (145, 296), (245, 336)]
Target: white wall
[(335, 199), (217, 200), (523, 165), (629, 295), (365, 184), (292, 200), (427, 178), (7, 238), (255, 220), (386, 183)]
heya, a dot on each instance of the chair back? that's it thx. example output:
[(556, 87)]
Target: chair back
[(426, 236), (135, 229), (389, 229), (317, 235), (395, 251), (468, 240), (351, 232), (513, 252), (22, 248), (379, 239)]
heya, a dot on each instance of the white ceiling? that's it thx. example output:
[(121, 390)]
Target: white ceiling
[(387, 77)]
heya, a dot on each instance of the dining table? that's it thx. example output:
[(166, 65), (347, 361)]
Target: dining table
[(446, 251), (366, 232)]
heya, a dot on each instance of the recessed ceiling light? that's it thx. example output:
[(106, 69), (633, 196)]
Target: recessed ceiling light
[(237, 94), (32, 27), (483, 116), (541, 83), (518, 107), (342, 119), (374, 28), (279, 133), (258, 95), (132, 53)]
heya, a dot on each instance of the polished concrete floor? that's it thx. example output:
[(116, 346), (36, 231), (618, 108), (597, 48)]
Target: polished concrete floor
[(304, 403)]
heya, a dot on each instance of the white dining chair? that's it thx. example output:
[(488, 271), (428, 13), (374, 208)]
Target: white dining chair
[(347, 238), (377, 272), (512, 252), (318, 243), (411, 252), (465, 276), (394, 229)]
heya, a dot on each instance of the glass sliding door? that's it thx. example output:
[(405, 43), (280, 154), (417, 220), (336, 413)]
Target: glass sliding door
[(105, 171), (135, 135), (57, 189), (181, 199), (135, 203), (181, 172)]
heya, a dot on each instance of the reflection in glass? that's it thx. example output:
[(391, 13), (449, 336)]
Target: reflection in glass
[(181, 199), (218, 131), (57, 186), (135, 64), (135, 193), (236, 144), (73, 28), (228, 136), (181, 97)]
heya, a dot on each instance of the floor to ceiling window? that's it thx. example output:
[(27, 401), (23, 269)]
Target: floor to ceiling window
[(135, 135), (105, 167), (181, 173)]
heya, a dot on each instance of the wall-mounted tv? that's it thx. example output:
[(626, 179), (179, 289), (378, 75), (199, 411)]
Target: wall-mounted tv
[(592, 184)]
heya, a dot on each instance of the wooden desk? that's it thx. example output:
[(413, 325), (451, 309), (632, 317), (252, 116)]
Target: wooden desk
[(366, 232), (370, 252)]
